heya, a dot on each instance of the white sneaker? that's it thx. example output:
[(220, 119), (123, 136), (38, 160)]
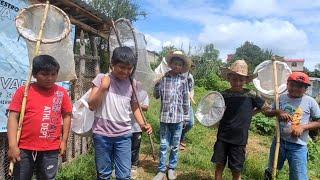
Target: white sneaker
[(172, 174), (159, 176), (134, 172)]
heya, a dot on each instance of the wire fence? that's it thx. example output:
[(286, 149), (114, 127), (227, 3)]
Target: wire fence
[(86, 69)]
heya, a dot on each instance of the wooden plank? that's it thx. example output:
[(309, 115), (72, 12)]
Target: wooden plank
[(88, 28), (84, 11)]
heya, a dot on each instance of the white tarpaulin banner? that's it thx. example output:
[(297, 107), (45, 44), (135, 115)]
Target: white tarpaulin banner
[(14, 57), (14, 60)]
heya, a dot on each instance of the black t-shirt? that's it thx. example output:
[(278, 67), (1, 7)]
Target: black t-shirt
[(235, 123)]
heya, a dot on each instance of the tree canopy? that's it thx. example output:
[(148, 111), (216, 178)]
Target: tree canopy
[(116, 9), (252, 54)]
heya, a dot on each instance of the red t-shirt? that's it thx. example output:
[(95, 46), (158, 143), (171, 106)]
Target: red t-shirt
[(42, 124)]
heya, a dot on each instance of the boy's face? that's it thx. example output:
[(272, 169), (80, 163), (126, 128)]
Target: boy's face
[(122, 71), (237, 81), (296, 89), (176, 66), (46, 79)]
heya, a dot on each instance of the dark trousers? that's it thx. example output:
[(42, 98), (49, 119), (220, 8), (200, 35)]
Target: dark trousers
[(44, 162), (135, 148)]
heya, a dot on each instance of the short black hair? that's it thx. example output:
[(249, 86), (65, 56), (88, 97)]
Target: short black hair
[(178, 59), (44, 63), (123, 55)]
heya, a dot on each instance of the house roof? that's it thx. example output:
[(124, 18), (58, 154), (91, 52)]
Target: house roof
[(293, 60)]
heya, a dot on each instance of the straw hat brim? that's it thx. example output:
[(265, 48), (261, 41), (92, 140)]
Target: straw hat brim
[(187, 61), (224, 72)]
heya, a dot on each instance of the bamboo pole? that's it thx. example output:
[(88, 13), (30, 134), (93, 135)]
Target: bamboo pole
[(144, 120), (27, 84), (276, 100)]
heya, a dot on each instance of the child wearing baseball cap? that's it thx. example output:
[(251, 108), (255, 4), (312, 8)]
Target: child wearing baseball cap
[(298, 114)]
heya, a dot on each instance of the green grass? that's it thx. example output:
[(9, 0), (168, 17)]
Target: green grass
[(194, 162)]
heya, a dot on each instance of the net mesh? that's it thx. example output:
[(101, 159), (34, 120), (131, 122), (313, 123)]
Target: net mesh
[(264, 82), (56, 40), (210, 109), (135, 40)]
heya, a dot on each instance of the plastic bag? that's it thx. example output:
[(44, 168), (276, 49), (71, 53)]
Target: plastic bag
[(82, 116)]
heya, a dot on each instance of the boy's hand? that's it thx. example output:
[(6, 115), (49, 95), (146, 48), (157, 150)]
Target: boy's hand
[(63, 148), (105, 82), (14, 154), (297, 130), (147, 128), (284, 116)]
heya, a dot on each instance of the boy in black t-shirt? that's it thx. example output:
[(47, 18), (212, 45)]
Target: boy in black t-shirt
[(233, 128)]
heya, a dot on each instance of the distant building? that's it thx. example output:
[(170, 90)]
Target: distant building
[(152, 56), (295, 64), (314, 89)]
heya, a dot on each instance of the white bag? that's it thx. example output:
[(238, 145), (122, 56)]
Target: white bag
[(82, 116)]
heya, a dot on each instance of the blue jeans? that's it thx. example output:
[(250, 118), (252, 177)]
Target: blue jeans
[(111, 151), (297, 156), (170, 134), (45, 163), (187, 127)]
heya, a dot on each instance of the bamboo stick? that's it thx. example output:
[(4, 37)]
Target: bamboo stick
[(276, 99), (27, 85)]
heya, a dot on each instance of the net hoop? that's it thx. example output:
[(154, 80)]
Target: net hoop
[(210, 109), (26, 31), (261, 85)]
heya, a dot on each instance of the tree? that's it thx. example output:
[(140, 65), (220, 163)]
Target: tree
[(253, 54), (210, 53), (116, 9)]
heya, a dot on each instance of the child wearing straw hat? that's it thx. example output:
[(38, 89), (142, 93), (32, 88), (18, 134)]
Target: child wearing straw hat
[(298, 114), (232, 136), (46, 123), (173, 91)]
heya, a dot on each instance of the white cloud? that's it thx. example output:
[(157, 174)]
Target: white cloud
[(153, 43), (287, 27), (159, 40), (254, 8), (280, 36)]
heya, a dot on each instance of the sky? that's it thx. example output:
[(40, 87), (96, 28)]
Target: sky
[(289, 28)]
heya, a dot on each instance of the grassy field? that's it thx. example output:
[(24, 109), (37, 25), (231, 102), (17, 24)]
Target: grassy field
[(195, 161)]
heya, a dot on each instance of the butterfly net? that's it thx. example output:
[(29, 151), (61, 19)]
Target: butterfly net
[(128, 36)]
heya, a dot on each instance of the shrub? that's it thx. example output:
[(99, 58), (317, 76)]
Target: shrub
[(262, 124)]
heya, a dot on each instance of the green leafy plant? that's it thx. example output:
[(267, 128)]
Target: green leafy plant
[(262, 124)]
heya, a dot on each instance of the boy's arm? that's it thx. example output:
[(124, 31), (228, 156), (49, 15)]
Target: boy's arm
[(138, 116), (297, 131), (281, 115), (97, 92), (185, 101), (14, 151), (65, 133), (156, 91)]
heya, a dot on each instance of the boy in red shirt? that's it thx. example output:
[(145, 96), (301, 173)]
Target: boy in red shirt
[(46, 123)]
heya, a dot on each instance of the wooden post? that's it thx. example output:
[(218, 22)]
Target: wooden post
[(276, 100), (78, 139)]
